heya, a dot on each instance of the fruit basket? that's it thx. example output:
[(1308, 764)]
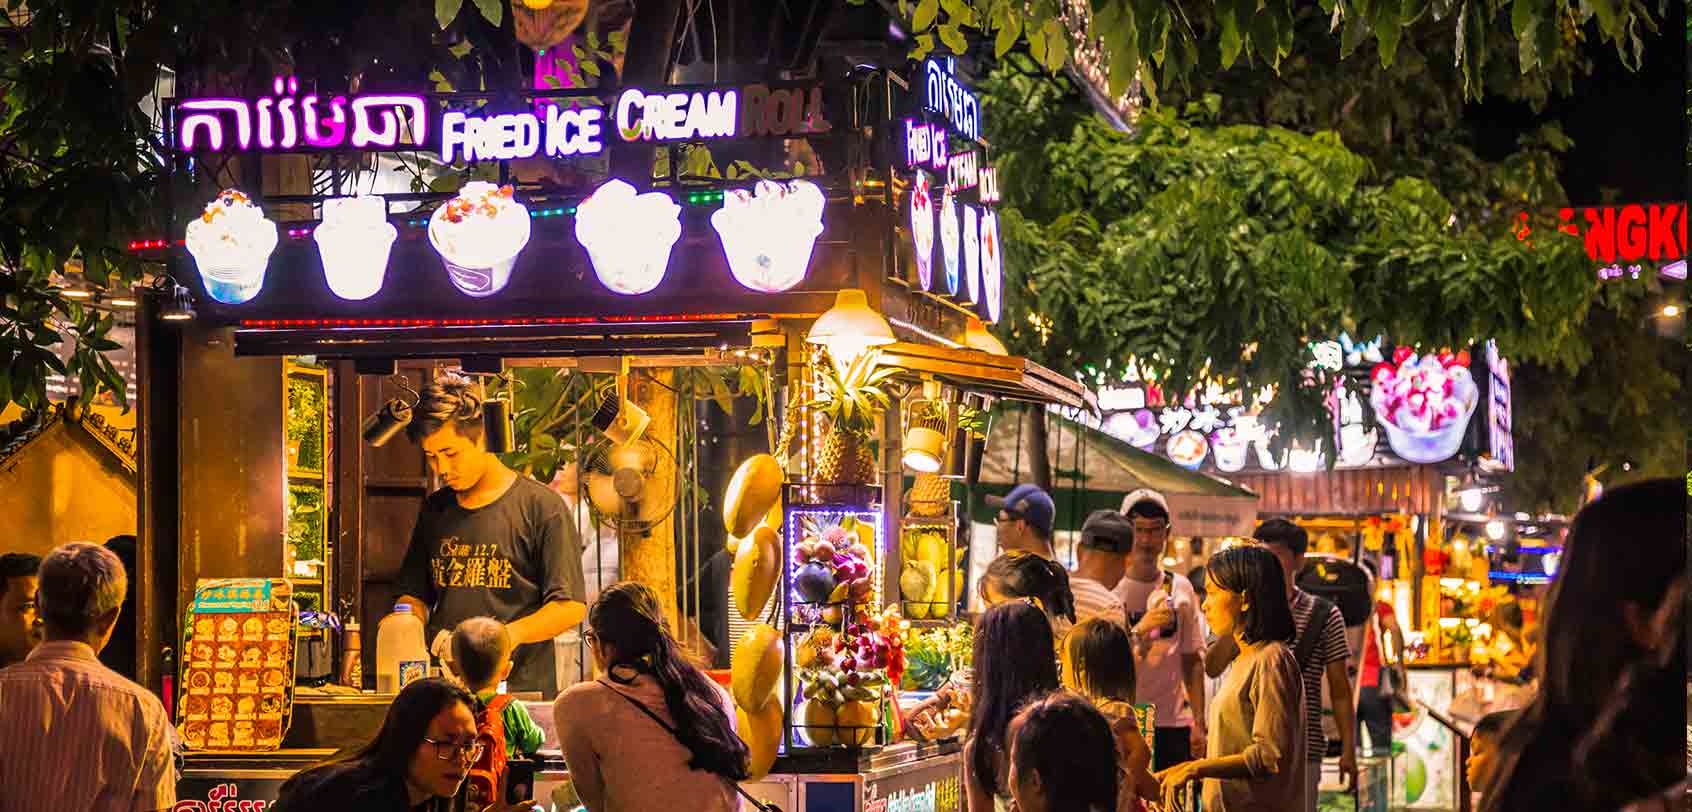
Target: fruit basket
[(931, 567)]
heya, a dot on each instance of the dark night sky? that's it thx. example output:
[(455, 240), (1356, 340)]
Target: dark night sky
[(1629, 128)]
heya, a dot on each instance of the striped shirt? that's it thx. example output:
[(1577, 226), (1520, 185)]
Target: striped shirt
[(1092, 600), (77, 737), (1330, 647)]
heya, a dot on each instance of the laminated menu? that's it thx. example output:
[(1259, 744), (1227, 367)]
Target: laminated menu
[(238, 665)]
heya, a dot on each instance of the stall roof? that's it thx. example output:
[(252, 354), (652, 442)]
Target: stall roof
[(1092, 470), (450, 340), (1006, 376)]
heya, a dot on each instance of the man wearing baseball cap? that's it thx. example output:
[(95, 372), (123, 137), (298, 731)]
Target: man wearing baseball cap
[(1024, 523), (1169, 651), (1100, 558)]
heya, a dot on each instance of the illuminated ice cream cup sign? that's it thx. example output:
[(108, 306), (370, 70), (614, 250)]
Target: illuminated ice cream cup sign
[(1424, 403), (922, 229), (972, 254), (950, 236), (768, 233), (231, 242), (1230, 447), (628, 236), (479, 234), (1188, 449), (992, 265), (354, 241)]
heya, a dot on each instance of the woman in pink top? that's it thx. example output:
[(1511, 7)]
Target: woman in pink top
[(655, 732)]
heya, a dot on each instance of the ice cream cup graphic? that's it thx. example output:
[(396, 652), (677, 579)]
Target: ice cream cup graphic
[(1424, 405), (1230, 448), (922, 229), (768, 233), (354, 240), (231, 242), (950, 236), (479, 234), (972, 255), (992, 264), (628, 237)]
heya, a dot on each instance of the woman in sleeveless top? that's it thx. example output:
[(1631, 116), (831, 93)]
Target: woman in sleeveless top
[(1013, 667), (655, 730)]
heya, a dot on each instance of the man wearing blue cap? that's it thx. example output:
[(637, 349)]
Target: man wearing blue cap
[(1024, 523)]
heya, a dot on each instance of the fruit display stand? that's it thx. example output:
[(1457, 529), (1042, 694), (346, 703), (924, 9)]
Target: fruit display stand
[(931, 575)]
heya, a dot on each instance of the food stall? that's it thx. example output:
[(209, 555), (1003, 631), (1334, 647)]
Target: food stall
[(842, 286)]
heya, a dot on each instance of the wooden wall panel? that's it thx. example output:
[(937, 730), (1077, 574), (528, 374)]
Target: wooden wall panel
[(1403, 489)]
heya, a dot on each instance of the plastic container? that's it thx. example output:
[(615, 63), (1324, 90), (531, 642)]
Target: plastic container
[(401, 656), (352, 653)]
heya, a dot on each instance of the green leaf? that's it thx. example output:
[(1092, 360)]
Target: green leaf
[(1232, 42), (926, 11), (923, 47), (1057, 45), (492, 10), (954, 38), (446, 11), (1006, 37), (590, 67)]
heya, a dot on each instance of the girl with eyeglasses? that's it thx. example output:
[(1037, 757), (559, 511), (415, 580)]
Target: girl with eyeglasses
[(416, 763), (655, 734), (1014, 665)]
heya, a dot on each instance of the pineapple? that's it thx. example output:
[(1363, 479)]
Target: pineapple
[(929, 495), (851, 402)]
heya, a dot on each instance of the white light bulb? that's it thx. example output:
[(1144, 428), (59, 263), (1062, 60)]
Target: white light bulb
[(1495, 530)]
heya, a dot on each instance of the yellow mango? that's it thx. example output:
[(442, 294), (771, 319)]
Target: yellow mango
[(761, 730), (756, 669), (755, 488)]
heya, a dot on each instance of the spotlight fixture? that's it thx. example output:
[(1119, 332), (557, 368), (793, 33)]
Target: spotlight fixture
[(925, 433), (496, 425), (180, 307), (619, 419), (381, 426), (850, 328)]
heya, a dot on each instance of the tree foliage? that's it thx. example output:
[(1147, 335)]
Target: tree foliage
[(1220, 251), (1165, 42)]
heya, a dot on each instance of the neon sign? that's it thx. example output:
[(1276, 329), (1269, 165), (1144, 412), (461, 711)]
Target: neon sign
[(925, 145), (988, 180), (946, 96), (963, 171), (1501, 441), (285, 121), (1629, 233)]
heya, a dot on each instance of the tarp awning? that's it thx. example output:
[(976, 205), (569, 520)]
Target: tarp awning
[(1005, 376), (1092, 470)]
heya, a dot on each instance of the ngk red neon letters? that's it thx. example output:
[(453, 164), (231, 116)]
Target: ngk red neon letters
[(1630, 233)]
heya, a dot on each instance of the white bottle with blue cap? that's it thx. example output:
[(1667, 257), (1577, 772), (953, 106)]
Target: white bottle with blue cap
[(401, 657)]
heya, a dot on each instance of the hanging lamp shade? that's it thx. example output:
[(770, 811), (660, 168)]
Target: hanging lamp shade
[(977, 338), (850, 327)]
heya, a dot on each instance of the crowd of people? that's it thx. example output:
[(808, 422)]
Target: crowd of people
[(1061, 661)]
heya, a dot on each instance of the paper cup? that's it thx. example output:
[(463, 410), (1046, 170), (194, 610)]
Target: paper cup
[(234, 283), (355, 261), (480, 282), (772, 261), (631, 272)]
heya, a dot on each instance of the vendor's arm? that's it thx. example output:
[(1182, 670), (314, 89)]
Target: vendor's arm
[(416, 582), (551, 620), (562, 583)]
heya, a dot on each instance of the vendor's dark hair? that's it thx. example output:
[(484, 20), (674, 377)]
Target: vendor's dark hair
[(1025, 575), (452, 399), (1255, 573), (1284, 533), (18, 565), (1598, 715), (627, 618), (1014, 665), (1069, 744), (1102, 657), (1148, 509), (1494, 723)]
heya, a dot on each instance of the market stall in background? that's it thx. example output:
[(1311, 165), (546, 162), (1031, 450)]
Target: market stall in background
[(726, 378)]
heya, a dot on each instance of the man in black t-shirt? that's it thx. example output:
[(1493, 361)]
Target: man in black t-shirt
[(491, 543)]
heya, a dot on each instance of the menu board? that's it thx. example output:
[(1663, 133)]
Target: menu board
[(238, 665)]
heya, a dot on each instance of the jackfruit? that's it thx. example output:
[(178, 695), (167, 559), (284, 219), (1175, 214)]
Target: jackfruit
[(755, 488), (761, 730), (757, 563)]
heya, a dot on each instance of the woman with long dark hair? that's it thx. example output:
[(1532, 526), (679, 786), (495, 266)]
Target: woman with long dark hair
[(1017, 575), (1014, 665), (1605, 728), (655, 734), (416, 763), (1062, 758), (1255, 757)]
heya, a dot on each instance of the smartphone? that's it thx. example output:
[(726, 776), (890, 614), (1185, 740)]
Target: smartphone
[(520, 780)]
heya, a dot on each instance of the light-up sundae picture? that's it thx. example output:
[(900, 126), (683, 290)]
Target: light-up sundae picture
[(1230, 446), (231, 242), (1188, 448), (972, 254), (950, 236), (628, 236), (354, 240), (479, 234), (922, 229), (769, 231), (992, 265), (1424, 403)]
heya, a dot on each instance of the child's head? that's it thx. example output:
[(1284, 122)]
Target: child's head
[(1098, 661), (1483, 746), (481, 653)]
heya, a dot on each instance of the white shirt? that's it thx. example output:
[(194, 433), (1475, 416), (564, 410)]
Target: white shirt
[(1159, 672), (1093, 600), (76, 736)]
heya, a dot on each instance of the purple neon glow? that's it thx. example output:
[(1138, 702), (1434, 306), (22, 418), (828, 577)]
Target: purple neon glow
[(1675, 269), (284, 121)]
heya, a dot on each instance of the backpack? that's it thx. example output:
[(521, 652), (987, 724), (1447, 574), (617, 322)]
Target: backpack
[(486, 779)]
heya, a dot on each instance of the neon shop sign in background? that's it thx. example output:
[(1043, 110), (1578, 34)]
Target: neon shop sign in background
[(944, 94), (570, 126)]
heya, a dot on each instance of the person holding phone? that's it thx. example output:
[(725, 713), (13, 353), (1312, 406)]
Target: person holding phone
[(1169, 640)]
